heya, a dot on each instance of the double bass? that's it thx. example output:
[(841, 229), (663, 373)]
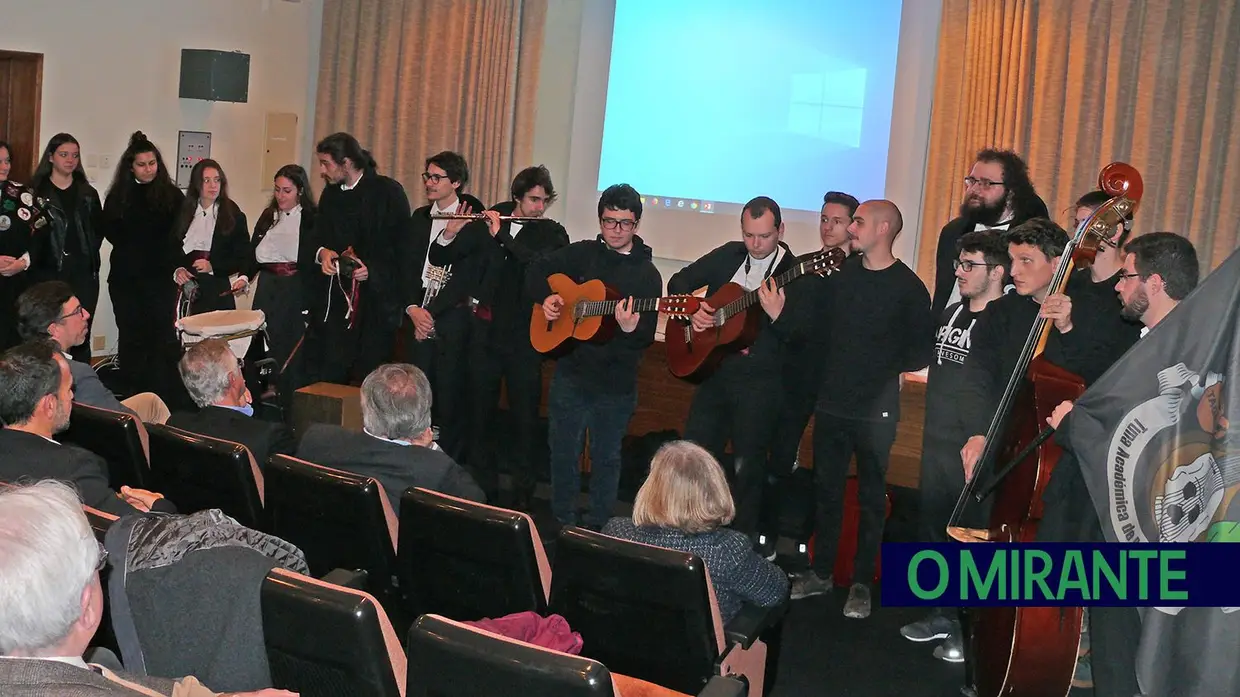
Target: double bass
[(1032, 651)]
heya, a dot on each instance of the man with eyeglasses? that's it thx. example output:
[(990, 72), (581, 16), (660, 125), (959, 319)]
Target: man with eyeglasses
[(442, 311), (981, 267), (35, 405), (50, 310), (740, 401), (360, 243), (1159, 270), (594, 387), (998, 195), (499, 346)]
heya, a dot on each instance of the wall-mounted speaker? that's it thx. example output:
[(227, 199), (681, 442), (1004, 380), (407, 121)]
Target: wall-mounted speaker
[(215, 76)]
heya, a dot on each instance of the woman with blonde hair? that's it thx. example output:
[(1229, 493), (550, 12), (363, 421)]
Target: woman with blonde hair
[(684, 505)]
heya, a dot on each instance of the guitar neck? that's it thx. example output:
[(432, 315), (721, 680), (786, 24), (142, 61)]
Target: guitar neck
[(599, 308), (750, 298)]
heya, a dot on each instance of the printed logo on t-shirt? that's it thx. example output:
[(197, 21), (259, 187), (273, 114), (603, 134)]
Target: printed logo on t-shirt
[(952, 343)]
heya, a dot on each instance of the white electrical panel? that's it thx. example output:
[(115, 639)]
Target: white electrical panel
[(192, 146)]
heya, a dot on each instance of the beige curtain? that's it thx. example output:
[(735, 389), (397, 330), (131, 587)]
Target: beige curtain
[(1074, 84), (410, 78)]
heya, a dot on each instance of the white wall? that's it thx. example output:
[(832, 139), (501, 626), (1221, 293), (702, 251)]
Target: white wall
[(111, 67), (572, 99)]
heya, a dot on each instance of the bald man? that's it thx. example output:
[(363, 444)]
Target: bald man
[(877, 315)]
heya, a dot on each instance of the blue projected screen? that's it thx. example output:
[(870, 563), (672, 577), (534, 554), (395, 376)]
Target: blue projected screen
[(716, 101)]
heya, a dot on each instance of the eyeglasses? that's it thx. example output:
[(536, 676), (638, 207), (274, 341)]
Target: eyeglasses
[(967, 265), (79, 312), (103, 557), (612, 223), (433, 178), (970, 182)]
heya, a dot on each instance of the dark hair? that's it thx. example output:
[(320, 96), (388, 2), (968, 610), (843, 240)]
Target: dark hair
[(44, 170), (839, 197), (992, 245), (342, 146), (620, 197), (226, 211), (453, 165), (305, 197), (1042, 233), (29, 372), (1169, 255), (758, 206), (39, 306), (529, 178), (1024, 200), (1094, 200), (163, 191)]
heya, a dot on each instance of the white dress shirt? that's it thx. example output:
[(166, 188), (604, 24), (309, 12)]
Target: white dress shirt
[(753, 272), (437, 228), (201, 229), (280, 243)]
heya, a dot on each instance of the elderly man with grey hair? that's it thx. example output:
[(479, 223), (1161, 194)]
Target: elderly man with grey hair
[(52, 603), (396, 446), (212, 376)]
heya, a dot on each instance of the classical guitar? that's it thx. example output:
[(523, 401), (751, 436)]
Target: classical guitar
[(589, 312), (694, 355)]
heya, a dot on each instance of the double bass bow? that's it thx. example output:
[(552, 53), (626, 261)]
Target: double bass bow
[(1032, 651)]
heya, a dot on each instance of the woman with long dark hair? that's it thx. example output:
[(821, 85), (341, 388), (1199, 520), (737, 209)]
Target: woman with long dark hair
[(210, 243), (282, 253), (21, 213), (139, 212), (69, 250)]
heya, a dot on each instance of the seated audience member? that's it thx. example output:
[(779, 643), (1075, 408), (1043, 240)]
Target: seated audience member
[(50, 310), (35, 404), (397, 446), (212, 376), (683, 505), (53, 602)]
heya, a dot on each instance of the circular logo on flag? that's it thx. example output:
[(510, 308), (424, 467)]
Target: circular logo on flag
[(23, 213), (5, 223)]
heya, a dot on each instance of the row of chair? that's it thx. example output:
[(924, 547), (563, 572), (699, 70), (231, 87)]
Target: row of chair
[(326, 640)]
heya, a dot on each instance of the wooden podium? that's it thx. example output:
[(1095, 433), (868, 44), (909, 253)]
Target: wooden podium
[(327, 403)]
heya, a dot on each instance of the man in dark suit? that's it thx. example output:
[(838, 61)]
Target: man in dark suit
[(34, 406), (53, 603), (51, 310), (212, 376), (396, 445)]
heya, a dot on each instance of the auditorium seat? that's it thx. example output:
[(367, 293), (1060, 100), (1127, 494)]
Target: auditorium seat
[(196, 472), (118, 438), (650, 613), (467, 560), (447, 657), (100, 523), (325, 640), (340, 520)]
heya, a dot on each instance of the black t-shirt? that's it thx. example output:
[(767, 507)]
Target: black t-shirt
[(952, 343)]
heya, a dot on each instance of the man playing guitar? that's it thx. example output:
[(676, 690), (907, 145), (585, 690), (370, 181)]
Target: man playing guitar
[(740, 401), (595, 384)]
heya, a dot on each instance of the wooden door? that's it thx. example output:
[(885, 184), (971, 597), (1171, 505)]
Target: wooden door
[(21, 96)]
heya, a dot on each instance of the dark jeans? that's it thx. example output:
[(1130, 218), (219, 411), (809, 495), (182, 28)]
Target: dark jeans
[(836, 441), (520, 367), (741, 408), (795, 414), (940, 483), (573, 409)]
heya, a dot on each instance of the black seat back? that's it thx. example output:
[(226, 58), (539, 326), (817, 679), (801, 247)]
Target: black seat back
[(100, 523), (196, 473), (642, 611), (339, 519), (465, 560), (327, 641), (449, 659), (114, 436)]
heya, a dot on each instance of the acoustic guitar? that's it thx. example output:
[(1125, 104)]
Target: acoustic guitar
[(694, 355), (589, 312)]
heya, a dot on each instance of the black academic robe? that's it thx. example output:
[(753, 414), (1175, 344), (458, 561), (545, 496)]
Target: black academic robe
[(229, 255)]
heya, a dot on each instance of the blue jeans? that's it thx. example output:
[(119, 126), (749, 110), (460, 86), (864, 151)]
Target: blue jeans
[(572, 410)]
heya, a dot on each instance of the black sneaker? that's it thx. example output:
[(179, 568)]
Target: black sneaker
[(952, 648), (936, 625), (809, 584)]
